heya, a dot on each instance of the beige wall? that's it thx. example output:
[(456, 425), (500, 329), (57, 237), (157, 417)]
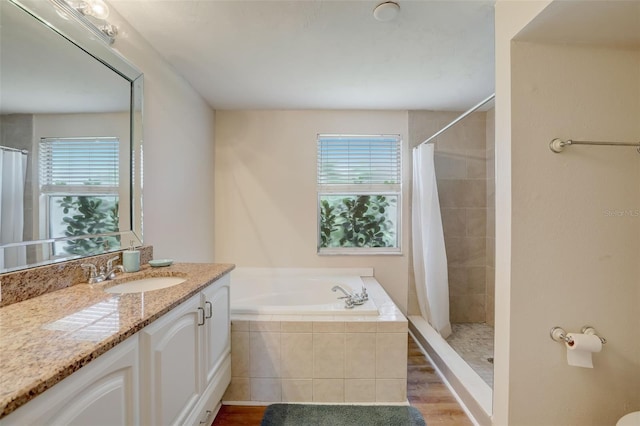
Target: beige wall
[(574, 259), (178, 155), (573, 263), (511, 16), (265, 186)]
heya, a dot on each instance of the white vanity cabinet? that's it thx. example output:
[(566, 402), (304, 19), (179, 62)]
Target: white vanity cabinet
[(172, 372), (217, 336), (170, 363), (105, 392), (216, 350), (185, 360)]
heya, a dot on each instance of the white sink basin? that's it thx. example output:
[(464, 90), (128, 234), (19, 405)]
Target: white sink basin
[(145, 284)]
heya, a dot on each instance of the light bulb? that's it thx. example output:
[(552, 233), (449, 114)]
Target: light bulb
[(96, 8), (100, 9)]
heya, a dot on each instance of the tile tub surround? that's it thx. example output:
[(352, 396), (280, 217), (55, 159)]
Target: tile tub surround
[(338, 359), (27, 283), (40, 345)]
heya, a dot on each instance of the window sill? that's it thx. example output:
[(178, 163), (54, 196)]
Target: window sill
[(383, 251)]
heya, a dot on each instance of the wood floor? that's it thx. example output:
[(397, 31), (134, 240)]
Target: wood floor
[(425, 391)]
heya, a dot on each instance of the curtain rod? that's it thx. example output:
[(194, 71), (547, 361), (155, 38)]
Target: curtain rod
[(8, 148), (461, 117)]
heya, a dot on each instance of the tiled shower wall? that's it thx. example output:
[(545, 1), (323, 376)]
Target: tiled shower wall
[(464, 171)]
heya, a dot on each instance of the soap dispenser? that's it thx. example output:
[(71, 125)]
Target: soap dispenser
[(131, 259)]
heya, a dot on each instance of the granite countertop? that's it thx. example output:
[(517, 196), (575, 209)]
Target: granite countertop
[(46, 338)]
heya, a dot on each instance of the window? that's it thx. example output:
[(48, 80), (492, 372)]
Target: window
[(79, 191), (359, 194)]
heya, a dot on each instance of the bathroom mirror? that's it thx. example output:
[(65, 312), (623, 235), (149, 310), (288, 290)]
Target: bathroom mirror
[(70, 140)]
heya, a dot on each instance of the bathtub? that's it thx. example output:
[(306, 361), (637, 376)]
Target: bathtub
[(296, 292), (293, 341)]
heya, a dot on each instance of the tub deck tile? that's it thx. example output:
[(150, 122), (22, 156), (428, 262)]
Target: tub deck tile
[(393, 326), (296, 327), (361, 326), (239, 325), (272, 326), (328, 327)]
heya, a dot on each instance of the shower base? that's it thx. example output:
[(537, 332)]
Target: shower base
[(474, 343)]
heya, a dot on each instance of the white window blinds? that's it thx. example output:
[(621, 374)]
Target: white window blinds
[(371, 161), (90, 163)]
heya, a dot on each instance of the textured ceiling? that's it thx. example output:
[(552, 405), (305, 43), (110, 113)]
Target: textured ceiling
[(324, 54)]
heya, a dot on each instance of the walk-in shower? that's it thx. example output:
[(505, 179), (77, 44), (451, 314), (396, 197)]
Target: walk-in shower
[(463, 157)]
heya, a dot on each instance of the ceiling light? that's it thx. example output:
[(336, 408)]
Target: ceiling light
[(386, 11)]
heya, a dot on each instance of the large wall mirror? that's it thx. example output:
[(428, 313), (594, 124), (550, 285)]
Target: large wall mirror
[(70, 140)]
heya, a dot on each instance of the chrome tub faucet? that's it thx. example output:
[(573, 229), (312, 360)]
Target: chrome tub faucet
[(351, 299), (346, 293)]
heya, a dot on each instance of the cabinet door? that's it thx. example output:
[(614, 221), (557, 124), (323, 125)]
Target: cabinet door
[(105, 392), (171, 368), (217, 341)]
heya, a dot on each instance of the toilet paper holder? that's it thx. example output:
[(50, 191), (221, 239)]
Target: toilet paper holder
[(559, 335)]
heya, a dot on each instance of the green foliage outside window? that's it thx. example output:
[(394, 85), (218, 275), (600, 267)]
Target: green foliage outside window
[(86, 215), (357, 221)]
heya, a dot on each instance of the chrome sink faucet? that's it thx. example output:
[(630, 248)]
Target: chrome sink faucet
[(107, 273), (111, 270), (94, 277)]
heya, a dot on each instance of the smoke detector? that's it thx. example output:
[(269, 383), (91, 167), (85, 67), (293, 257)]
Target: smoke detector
[(386, 11)]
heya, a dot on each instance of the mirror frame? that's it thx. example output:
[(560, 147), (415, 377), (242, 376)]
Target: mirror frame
[(75, 31)]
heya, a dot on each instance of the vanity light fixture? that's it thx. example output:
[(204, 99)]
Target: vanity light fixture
[(92, 14)]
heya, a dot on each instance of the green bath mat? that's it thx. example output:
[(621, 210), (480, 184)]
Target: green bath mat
[(341, 415)]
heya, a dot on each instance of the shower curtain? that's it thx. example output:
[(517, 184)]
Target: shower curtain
[(429, 256), (13, 174)]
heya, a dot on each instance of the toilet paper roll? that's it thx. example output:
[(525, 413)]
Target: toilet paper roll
[(580, 349)]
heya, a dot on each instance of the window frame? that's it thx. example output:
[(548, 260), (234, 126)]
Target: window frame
[(47, 191), (394, 189)]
